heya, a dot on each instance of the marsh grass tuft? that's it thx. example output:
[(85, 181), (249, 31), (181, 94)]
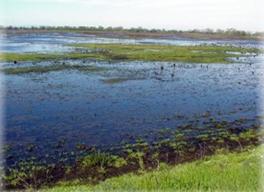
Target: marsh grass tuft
[(101, 160), (115, 80), (50, 68), (36, 57)]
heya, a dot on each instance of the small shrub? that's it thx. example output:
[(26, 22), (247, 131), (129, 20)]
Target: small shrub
[(102, 160), (32, 175)]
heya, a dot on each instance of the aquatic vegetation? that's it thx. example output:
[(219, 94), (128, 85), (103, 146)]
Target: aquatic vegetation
[(193, 54), (20, 57), (249, 136), (225, 171), (95, 166), (137, 157), (115, 80), (30, 174), (146, 52), (222, 172), (50, 68), (74, 158), (102, 160)]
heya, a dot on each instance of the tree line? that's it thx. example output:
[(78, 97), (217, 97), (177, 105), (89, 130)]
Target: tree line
[(230, 31)]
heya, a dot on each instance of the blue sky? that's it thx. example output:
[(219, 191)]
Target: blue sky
[(169, 14)]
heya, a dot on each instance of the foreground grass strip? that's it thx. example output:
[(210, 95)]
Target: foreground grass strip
[(49, 68), (146, 52), (221, 172)]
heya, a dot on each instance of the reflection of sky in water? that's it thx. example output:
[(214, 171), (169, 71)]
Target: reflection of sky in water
[(55, 42), (81, 108), (84, 107)]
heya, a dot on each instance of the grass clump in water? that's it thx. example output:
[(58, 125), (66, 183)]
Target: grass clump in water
[(101, 160), (115, 80), (20, 57), (49, 68)]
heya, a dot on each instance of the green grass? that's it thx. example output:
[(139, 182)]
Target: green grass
[(95, 166), (115, 80), (49, 68), (193, 54), (222, 172), (20, 57)]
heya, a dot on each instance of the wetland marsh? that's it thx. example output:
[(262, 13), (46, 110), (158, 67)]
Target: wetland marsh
[(68, 95)]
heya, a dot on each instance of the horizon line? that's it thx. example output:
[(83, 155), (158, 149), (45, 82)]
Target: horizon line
[(129, 28)]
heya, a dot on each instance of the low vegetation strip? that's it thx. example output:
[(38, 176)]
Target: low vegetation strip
[(221, 172), (96, 166), (20, 57), (193, 54), (146, 52), (49, 68)]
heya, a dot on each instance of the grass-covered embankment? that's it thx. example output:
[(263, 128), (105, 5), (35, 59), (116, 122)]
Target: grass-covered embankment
[(193, 54), (222, 172)]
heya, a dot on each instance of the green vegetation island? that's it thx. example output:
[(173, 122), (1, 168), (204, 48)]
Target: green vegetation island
[(127, 52)]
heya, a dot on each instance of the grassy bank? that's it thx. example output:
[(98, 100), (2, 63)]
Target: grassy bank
[(193, 54), (222, 172)]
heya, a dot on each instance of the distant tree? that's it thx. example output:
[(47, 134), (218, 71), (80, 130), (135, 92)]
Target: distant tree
[(220, 31), (100, 28)]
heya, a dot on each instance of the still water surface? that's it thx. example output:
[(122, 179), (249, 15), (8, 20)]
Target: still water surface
[(124, 100)]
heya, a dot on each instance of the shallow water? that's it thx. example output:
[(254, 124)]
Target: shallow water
[(57, 42), (127, 100)]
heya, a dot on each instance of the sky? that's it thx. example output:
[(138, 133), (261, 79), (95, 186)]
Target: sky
[(168, 14)]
